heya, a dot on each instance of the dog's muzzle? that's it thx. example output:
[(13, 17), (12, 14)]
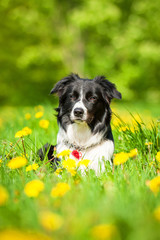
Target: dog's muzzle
[(78, 113)]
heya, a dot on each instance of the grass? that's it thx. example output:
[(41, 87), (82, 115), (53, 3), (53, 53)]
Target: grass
[(118, 204)]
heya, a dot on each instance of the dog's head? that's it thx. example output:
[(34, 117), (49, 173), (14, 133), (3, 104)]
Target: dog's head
[(84, 100)]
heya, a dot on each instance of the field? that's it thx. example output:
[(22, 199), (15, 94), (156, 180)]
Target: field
[(36, 203)]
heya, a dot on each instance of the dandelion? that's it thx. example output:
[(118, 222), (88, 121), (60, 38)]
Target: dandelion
[(50, 221), (34, 166), (38, 114), (39, 108), (24, 132), (123, 129), (156, 213), (58, 171), (69, 163), (154, 185), (104, 231), (0, 162), (158, 156), (27, 116), (33, 188), (3, 195), (84, 162), (72, 171), (64, 153), (60, 190), (44, 124), (148, 143), (133, 152), (15, 234), (17, 162), (120, 158)]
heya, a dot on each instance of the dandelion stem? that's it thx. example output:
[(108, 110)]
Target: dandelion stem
[(23, 148), (13, 148)]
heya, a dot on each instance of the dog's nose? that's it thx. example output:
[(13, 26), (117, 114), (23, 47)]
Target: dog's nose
[(78, 112)]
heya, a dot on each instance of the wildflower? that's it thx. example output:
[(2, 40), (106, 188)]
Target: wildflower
[(133, 152), (156, 213), (0, 162), (158, 156), (39, 108), (120, 158), (17, 162), (148, 143), (104, 231), (58, 171), (84, 162), (72, 171), (69, 163), (50, 221), (27, 116), (123, 129), (154, 185), (24, 132), (34, 166), (64, 153), (33, 188), (60, 190), (76, 154), (15, 234), (3, 195), (44, 124), (38, 114)]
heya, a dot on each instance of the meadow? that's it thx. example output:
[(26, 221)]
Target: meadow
[(36, 203)]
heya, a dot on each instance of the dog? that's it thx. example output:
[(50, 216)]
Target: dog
[(84, 116)]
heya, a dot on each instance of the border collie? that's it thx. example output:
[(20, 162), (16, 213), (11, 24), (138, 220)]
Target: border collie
[(84, 116)]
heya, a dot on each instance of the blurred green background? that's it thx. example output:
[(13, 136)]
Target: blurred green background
[(41, 41)]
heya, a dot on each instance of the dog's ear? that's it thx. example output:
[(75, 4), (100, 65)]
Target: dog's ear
[(60, 86), (109, 89)]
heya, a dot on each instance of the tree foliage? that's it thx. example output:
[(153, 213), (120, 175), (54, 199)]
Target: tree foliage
[(42, 41)]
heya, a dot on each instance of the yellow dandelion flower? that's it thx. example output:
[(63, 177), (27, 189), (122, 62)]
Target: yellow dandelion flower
[(16, 234), (156, 213), (17, 162), (151, 164), (104, 231), (69, 163), (24, 132), (60, 190), (84, 162), (158, 156), (34, 166), (33, 188), (133, 152), (50, 221), (0, 162), (116, 121), (27, 116), (38, 114), (154, 185), (44, 124), (72, 171), (58, 171), (3, 195), (39, 108), (120, 158), (123, 129), (148, 143), (64, 153)]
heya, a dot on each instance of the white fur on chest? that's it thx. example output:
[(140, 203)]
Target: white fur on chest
[(97, 151)]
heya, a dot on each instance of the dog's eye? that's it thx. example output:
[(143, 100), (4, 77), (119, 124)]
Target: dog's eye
[(73, 97), (92, 99)]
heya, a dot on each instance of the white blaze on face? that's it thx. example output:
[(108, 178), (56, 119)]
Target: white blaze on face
[(79, 104)]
